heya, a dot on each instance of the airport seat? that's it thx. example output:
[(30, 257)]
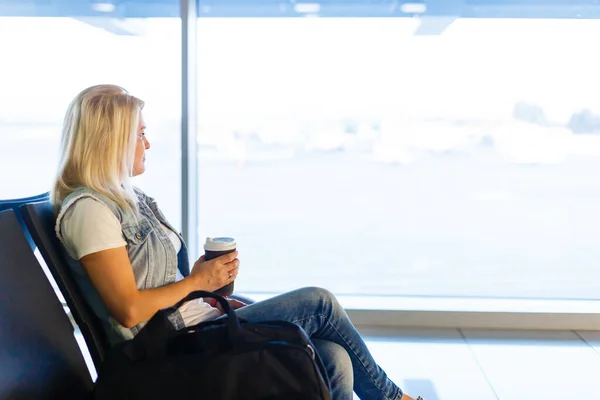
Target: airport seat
[(14, 204), (40, 221), (39, 355)]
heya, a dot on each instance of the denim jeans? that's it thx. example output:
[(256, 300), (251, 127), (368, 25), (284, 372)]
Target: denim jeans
[(348, 361)]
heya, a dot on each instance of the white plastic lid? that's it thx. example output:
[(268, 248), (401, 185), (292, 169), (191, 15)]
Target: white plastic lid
[(220, 244)]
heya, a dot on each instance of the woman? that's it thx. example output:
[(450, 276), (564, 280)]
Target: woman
[(130, 262)]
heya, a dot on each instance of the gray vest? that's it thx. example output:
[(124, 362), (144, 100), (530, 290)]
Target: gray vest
[(151, 252)]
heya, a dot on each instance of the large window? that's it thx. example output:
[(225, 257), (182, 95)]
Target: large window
[(52, 50), (433, 156)]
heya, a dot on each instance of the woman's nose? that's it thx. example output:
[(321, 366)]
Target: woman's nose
[(146, 143)]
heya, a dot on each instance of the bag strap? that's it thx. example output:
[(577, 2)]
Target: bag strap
[(233, 322), (151, 341)]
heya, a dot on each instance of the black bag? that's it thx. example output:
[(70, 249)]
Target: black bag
[(223, 359)]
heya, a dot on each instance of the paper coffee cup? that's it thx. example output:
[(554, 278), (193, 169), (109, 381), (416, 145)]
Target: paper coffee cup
[(215, 247)]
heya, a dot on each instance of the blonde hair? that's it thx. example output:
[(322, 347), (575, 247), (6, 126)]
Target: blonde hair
[(98, 145)]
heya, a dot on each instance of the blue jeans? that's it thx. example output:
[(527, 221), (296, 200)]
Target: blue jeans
[(349, 364)]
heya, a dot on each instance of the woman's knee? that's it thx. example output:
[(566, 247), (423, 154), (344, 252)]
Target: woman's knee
[(320, 294), (322, 302)]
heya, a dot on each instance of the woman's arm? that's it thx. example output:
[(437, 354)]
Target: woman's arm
[(111, 274)]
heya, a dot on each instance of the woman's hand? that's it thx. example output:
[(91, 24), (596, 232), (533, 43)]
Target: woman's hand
[(235, 304), (216, 273)]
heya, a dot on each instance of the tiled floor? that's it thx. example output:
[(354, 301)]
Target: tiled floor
[(488, 365), (482, 365)]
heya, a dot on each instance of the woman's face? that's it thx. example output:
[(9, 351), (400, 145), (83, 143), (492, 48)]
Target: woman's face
[(141, 145)]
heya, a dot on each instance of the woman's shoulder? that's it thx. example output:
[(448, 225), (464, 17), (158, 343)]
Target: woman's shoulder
[(85, 204), (87, 198), (89, 205), (89, 226), (83, 192), (86, 208)]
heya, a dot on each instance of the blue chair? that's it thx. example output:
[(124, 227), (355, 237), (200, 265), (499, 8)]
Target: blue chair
[(14, 204), (39, 355), (39, 221)]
